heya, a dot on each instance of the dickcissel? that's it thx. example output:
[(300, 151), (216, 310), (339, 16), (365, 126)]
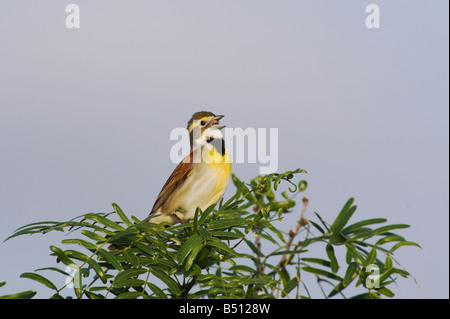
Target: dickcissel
[(201, 178)]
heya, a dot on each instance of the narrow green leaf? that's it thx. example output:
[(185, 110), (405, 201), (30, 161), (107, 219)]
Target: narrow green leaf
[(243, 268), (322, 221), (191, 258), (317, 261), (388, 228), (81, 242), (355, 254), (321, 272), (388, 262), (158, 292), (389, 238), (129, 295), (131, 258), (355, 226), (226, 234), (372, 256), (39, 278), (121, 215), (77, 284), (343, 217), (217, 243), (93, 235), (350, 273), (401, 244), (54, 269), (373, 295), (171, 284), (253, 248), (187, 246), (20, 295), (205, 214), (204, 233), (126, 278), (385, 291), (110, 258), (104, 221), (332, 257), (98, 270), (317, 226), (225, 223), (250, 294), (62, 256)]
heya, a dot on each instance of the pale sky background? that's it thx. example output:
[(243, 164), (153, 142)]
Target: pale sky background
[(85, 115)]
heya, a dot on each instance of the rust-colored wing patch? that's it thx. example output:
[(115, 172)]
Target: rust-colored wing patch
[(177, 177)]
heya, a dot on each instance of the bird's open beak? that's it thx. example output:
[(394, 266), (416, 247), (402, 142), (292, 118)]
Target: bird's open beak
[(215, 121)]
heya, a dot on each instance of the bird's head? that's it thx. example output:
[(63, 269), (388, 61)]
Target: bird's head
[(203, 124)]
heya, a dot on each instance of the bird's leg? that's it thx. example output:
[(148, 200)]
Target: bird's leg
[(177, 218)]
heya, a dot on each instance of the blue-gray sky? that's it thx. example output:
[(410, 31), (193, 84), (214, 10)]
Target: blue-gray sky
[(85, 114)]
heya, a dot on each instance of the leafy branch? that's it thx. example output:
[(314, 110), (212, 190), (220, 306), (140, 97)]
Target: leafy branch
[(213, 256)]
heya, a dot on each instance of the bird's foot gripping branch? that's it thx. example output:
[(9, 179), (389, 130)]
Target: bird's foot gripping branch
[(238, 248)]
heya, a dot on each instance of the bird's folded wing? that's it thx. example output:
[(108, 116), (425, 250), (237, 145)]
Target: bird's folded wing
[(178, 176)]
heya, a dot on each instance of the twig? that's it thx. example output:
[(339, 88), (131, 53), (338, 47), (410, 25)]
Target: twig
[(292, 233), (302, 222)]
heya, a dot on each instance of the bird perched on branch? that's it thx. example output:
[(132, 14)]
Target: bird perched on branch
[(201, 178)]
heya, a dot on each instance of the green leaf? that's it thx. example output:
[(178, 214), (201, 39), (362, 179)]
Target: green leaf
[(253, 248), (131, 258), (110, 258), (104, 221), (225, 223), (98, 270), (217, 243), (286, 252), (93, 235), (321, 272), (158, 292), (343, 217), (81, 242), (187, 247), (322, 221), (54, 269), (317, 226), (20, 295), (332, 257), (388, 228), (350, 273), (39, 278), (171, 284), (317, 261), (355, 254), (388, 239), (243, 268), (291, 284), (226, 234), (373, 295), (385, 291), (355, 226), (77, 284), (388, 262), (63, 257), (124, 278), (403, 243), (372, 256), (129, 295), (205, 214), (121, 215)]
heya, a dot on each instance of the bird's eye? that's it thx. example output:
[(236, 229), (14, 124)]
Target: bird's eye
[(202, 123), (209, 139)]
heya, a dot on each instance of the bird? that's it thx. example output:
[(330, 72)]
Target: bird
[(201, 178)]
